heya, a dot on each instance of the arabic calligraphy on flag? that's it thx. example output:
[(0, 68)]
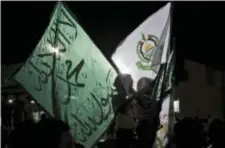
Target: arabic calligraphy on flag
[(68, 76)]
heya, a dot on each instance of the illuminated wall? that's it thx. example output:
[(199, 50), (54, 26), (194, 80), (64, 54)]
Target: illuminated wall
[(201, 94)]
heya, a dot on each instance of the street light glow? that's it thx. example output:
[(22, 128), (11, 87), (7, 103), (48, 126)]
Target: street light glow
[(10, 101), (32, 101)]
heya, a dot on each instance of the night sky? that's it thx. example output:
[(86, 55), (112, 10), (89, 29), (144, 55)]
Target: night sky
[(199, 27)]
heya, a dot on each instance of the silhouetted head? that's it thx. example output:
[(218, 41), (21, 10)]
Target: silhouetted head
[(144, 90), (51, 132), (47, 133), (216, 133), (189, 133), (124, 83), (43, 117), (22, 135), (124, 86), (145, 85)]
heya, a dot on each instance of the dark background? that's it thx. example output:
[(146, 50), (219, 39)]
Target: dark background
[(198, 27)]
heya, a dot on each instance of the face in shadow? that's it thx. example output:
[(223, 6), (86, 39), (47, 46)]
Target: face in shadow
[(124, 86), (144, 85)]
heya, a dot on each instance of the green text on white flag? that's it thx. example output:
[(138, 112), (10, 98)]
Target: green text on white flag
[(68, 75)]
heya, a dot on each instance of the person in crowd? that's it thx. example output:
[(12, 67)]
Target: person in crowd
[(43, 117), (54, 133), (47, 133), (189, 133), (122, 104), (22, 135), (124, 126), (216, 133), (5, 133), (5, 121), (147, 112), (124, 87)]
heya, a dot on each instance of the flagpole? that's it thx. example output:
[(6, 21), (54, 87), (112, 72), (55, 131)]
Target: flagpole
[(171, 26), (172, 95), (55, 105), (170, 34)]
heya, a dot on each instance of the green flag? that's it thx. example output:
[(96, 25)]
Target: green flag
[(163, 92), (68, 76)]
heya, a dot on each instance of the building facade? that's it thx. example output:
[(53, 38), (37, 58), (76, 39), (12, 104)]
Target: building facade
[(202, 93)]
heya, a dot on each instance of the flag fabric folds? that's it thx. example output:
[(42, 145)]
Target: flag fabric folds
[(146, 46), (166, 115), (70, 78)]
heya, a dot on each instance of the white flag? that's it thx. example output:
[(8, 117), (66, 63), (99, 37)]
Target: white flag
[(142, 52)]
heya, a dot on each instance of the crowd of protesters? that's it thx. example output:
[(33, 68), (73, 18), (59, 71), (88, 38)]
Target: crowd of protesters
[(136, 125)]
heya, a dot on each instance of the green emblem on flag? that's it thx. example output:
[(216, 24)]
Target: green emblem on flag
[(145, 51)]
